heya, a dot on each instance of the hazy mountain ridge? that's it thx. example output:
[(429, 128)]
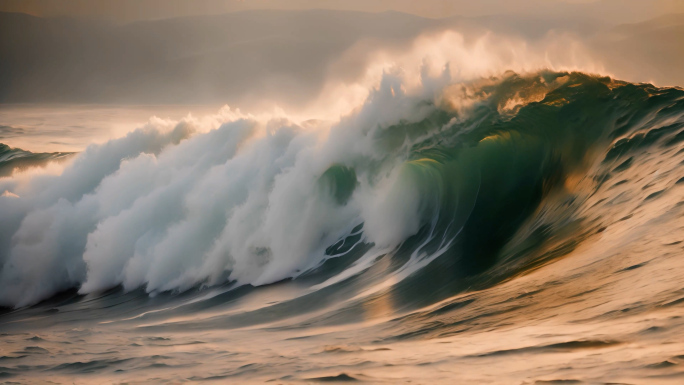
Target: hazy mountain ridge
[(181, 60), (252, 55)]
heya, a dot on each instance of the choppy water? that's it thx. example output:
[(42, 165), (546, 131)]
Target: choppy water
[(525, 229)]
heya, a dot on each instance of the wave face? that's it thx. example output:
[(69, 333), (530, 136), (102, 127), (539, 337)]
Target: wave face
[(455, 186)]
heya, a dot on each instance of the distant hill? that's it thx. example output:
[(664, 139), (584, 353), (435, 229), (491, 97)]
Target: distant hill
[(192, 59), (250, 55)]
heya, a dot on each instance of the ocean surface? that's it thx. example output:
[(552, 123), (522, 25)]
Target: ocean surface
[(518, 229)]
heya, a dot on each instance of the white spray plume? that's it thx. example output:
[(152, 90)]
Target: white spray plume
[(235, 196)]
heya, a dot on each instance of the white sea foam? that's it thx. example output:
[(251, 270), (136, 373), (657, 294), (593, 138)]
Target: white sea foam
[(235, 196)]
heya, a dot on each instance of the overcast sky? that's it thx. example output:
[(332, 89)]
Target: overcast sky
[(130, 10)]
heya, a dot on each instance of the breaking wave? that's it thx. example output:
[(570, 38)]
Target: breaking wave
[(448, 188)]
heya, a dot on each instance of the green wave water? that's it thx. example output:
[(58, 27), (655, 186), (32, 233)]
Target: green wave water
[(484, 180)]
